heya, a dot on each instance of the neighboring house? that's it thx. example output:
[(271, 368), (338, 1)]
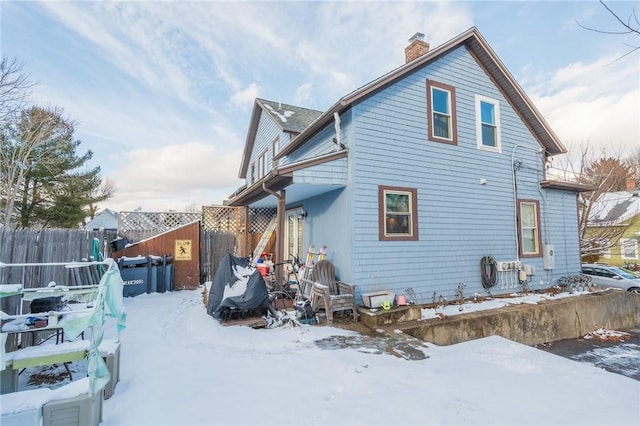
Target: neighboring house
[(616, 216), (106, 220), (415, 178)]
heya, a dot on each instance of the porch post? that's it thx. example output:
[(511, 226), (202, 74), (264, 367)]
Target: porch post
[(280, 230)]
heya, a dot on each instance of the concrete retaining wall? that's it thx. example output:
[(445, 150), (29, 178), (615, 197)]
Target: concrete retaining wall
[(548, 321)]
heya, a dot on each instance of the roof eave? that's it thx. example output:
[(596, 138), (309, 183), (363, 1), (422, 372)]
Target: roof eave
[(567, 186), (251, 135), (520, 101), (256, 192)]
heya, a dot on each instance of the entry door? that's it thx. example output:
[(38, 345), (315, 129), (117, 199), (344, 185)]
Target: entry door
[(295, 233)]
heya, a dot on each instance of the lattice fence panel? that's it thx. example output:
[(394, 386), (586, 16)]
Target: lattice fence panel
[(260, 218), (222, 218), (154, 221)]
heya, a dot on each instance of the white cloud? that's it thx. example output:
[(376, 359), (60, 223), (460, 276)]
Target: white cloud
[(186, 71), (245, 98), (303, 94), (596, 103), (174, 176)]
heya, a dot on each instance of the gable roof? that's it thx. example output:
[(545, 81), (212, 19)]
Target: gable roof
[(614, 208), (488, 60), (289, 118)]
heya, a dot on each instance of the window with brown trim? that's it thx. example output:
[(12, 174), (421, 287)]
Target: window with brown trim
[(529, 234), (397, 213), (441, 111)]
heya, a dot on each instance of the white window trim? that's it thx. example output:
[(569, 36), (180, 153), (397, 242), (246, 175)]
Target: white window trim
[(275, 149), (448, 115), (633, 243), (496, 106), (260, 167)]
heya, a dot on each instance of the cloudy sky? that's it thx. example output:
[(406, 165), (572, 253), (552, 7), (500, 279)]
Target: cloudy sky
[(162, 91)]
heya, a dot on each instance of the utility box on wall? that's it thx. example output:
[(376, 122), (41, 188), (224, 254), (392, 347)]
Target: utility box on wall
[(548, 256)]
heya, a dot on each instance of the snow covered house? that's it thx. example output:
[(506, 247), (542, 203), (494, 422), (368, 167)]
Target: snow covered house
[(430, 176)]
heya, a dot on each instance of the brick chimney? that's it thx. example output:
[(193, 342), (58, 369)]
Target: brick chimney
[(416, 48), (631, 184)]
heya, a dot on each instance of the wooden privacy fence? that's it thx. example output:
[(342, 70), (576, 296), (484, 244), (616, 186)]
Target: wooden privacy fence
[(47, 246), (224, 230)]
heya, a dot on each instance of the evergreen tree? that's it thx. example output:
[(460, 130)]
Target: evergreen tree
[(46, 182)]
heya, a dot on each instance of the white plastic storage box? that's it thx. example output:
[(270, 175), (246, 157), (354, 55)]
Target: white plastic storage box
[(22, 418), (8, 380), (82, 410), (375, 299), (110, 352), (24, 408)]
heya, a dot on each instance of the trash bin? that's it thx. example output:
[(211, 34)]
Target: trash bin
[(164, 272), (137, 275), (118, 243)]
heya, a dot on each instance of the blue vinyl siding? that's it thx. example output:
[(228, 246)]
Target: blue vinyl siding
[(267, 132), (322, 143), (459, 220), (330, 226), (329, 173), (466, 196)]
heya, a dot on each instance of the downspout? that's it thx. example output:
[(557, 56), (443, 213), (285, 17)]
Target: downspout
[(280, 225), (338, 139)]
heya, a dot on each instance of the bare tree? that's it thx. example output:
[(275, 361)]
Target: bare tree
[(15, 88), (633, 162), (630, 26), (101, 193)]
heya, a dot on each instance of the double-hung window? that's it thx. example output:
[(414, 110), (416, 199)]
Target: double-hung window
[(629, 248), (398, 213), (529, 227), (441, 108), (488, 123)]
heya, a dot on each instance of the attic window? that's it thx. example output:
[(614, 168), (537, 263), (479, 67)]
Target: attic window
[(441, 109), (398, 213), (488, 123)]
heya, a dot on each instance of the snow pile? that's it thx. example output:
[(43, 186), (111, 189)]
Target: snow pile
[(180, 366), (482, 304)]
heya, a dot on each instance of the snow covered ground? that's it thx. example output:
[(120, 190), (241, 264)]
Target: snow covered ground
[(180, 366)]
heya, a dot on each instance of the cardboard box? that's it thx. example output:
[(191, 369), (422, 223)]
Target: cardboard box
[(375, 299)]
